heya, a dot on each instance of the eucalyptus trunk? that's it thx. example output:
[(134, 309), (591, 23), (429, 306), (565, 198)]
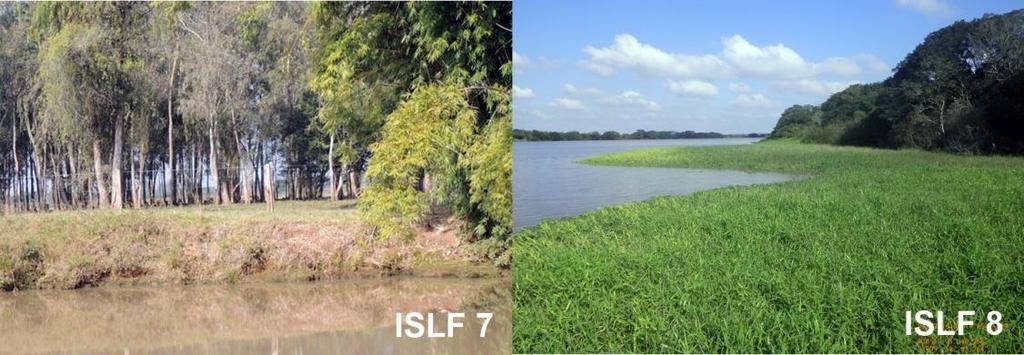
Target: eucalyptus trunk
[(214, 175), (101, 184), (170, 180), (330, 167), (136, 181), (116, 190), (17, 166)]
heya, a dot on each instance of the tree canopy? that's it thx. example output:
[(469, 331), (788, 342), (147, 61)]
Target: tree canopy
[(957, 91), (403, 105)]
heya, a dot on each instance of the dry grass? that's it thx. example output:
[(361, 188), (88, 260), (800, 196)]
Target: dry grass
[(299, 240)]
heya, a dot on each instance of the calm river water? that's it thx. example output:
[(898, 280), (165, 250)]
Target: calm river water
[(548, 183), (330, 317)]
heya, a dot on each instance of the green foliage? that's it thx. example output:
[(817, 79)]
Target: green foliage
[(88, 68), (251, 24), (218, 89), (497, 250), (489, 166), (851, 105), (73, 75), (842, 253), (350, 109), (436, 77), (958, 91), (462, 40), (796, 120), (427, 134)]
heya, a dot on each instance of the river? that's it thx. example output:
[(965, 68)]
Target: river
[(547, 181), (328, 317)]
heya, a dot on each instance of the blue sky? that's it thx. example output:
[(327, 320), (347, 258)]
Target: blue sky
[(725, 66)]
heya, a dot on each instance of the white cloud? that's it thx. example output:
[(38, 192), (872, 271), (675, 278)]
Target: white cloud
[(694, 88), (571, 89), (519, 62), (739, 88), (629, 53), (838, 66), (534, 113), (872, 63), (815, 87), (780, 62), (775, 60), (927, 7), (596, 68), (568, 104), (738, 58), (521, 93), (752, 100), (632, 98)]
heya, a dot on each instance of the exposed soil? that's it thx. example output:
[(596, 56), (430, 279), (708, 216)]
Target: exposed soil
[(83, 251)]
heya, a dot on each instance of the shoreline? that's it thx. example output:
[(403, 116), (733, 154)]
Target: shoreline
[(634, 139), (313, 240)]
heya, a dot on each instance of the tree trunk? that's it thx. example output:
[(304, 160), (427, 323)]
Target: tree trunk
[(136, 181), (243, 155), (268, 187), (74, 177), (214, 175), (170, 135), (40, 172), (330, 167), (143, 154), (57, 184), (243, 171), (5, 186), (97, 163), (33, 186), (226, 195), (116, 190), (343, 183), (197, 194), (942, 117), (353, 181), (17, 167), (426, 185)]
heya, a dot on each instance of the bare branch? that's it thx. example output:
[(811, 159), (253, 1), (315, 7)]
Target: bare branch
[(185, 26)]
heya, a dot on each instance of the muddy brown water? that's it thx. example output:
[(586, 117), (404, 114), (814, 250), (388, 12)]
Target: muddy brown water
[(329, 317)]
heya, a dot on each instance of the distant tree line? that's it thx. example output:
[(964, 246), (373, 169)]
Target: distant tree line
[(133, 104), (961, 90), (534, 135)]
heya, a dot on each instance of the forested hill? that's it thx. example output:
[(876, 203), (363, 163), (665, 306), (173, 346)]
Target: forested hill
[(961, 90), (534, 135)]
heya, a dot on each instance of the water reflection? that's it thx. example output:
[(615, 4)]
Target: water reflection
[(285, 318)]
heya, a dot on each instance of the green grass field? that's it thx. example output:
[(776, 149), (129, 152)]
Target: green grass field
[(828, 263)]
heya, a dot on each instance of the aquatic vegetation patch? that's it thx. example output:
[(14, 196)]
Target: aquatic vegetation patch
[(828, 263)]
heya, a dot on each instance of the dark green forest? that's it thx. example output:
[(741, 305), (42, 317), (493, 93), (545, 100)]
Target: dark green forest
[(960, 91), (534, 135), (405, 106)]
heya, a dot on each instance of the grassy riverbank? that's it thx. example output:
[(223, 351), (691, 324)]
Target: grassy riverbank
[(828, 263), (211, 244)]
